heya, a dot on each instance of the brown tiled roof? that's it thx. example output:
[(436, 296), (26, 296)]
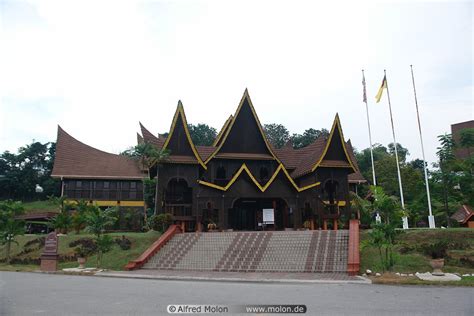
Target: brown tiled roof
[(356, 177), (77, 160), (205, 151), (152, 139), (302, 160), (463, 214)]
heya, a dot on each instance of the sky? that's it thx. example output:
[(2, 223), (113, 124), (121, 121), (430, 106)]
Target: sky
[(98, 68)]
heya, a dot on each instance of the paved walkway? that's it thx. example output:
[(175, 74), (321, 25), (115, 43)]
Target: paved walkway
[(273, 277)]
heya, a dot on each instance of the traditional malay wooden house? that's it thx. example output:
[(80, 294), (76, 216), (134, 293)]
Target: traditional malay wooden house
[(230, 183)]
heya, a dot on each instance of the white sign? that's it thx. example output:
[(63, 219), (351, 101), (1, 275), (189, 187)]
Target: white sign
[(268, 216)]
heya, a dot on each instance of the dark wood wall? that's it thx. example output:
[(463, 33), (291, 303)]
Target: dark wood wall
[(106, 190)]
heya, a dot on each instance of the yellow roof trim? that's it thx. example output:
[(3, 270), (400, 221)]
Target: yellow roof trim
[(245, 96), (223, 129), (180, 111), (337, 124), (262, 188)]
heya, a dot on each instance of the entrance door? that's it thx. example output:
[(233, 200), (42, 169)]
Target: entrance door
[(247, 213), (244, 215)]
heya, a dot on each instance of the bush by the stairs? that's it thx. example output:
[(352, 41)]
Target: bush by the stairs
[(160, 222), (124, 243)]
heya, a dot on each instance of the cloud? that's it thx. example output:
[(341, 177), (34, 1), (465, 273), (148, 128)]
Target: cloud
[(109, 64)]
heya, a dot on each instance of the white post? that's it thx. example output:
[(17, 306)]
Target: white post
[(431, 219), (396, 151), (370, 134)]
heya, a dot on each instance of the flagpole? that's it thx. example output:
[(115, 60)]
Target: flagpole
[(405, 221), (370, 134), (431, 219)]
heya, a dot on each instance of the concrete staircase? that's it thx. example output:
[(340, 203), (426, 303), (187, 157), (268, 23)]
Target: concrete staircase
[(274, 251)]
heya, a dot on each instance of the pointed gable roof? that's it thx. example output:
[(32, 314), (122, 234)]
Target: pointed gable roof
[(244, 135), (179, 140), (75, 159), (149, 138), (331, 156), (223, 130), (140, 139)]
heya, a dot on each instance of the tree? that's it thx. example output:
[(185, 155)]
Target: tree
[(308, 137), (79, 216), (418, 164), (22, 171), (446, 158), (148, 156), (63, 220), (96, 223), (383, 237), (387, 178), (401, 151), (202, 134), (10, 225), (365, 162), (387, 205), (277, 134)]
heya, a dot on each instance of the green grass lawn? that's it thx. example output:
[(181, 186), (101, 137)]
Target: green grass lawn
[(40, 206), (409, 258), (116, 259)]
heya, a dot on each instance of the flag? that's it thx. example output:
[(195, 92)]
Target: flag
[(379, 94), (364, 96)]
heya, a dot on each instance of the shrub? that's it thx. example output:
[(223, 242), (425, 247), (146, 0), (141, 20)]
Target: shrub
[(160, 222), (437, 250), (84, 247), (124, 243)]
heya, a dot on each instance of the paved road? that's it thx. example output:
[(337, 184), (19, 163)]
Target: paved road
[(32, 293)]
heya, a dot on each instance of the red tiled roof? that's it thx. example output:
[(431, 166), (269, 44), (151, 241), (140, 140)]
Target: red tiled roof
[(78, 160), (463, 214)]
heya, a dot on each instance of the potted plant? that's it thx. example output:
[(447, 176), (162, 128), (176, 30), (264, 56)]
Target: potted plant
[(211, 226), (307, 224), (437, 251), (81, 254)]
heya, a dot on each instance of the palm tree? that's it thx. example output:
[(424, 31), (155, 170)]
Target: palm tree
[(10, 225), (148, 156), (97, 221)]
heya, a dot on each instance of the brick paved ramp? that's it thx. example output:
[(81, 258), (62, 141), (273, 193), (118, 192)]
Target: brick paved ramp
[(275, 251)]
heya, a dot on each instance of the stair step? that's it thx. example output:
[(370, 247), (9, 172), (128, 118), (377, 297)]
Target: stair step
[(276, 251)]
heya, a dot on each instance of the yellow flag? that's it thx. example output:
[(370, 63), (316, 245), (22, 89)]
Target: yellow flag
[(379, 94)]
